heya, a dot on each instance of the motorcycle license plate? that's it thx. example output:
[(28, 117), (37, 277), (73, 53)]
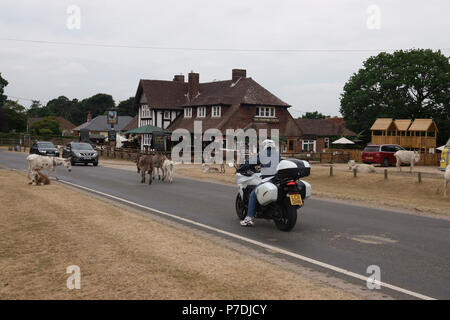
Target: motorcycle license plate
[(296, 199)]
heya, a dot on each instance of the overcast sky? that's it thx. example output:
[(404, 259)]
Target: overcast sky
[(307, 80)]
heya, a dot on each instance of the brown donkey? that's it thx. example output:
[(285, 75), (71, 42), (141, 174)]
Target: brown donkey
[(144, 165)]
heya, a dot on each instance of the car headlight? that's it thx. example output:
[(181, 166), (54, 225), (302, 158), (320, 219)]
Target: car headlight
[(77, 154), (95, 154), (43, 151)]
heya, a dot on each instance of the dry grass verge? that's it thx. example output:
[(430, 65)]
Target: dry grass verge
[(123, 255)]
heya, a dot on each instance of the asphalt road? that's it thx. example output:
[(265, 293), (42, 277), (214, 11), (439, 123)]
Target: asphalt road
[(413, 252)]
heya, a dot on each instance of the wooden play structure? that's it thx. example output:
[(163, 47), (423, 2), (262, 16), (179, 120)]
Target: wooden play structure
[(418, 134)]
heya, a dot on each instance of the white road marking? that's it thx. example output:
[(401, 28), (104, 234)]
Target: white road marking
[(260, 244)]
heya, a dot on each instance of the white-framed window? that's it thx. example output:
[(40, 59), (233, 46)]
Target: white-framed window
[(201, 112), (187, 112), (145, 122), (216, 111), (145, 111), (267, 112), (167, 115), (309, 145), (146, 139), (326, 142)]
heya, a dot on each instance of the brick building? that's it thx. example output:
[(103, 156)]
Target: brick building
[(238, 103)]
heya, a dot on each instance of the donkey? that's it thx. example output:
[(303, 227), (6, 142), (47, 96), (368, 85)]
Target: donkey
[(37, 162), (144, 165), (158, 161)]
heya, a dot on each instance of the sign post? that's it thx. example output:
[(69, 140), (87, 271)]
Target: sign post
[(112, 119)]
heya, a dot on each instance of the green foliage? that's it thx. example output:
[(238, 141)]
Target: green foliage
[(3, 84), (45, 131), (405, 84), (126, 108), (97, 104), (37, 110), (313, 115), (13, 117), (46, 126), (67, 109)]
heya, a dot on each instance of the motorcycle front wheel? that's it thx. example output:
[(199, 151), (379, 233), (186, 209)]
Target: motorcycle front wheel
[(241, 207), (288, 217)]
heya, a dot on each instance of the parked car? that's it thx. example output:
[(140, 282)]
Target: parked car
[(80, 152), (382, 154), (445, 156), (44, 148)]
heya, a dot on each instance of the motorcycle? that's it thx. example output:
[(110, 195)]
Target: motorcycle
[(278, 199)]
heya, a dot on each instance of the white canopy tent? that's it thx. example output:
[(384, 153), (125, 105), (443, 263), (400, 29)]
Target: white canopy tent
[(343, 141), (441, 148)]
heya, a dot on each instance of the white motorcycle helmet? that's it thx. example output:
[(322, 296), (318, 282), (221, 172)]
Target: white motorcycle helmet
[(268, 144)]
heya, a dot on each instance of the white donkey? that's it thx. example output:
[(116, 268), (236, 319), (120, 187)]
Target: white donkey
[(407, 157), (446, 179), (37, 162)]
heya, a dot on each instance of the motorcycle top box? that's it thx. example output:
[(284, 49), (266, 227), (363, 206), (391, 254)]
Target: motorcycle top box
[(293, 169)]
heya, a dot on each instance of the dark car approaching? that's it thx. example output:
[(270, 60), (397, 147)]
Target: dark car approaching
[(44, 148), (80, 152), (380, 154)]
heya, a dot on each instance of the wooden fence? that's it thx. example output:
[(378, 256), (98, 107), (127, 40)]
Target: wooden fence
[(322, 157), (125, 153)]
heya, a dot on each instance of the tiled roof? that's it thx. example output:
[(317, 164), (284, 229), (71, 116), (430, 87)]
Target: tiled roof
[(173, 94), (99, 124), (322, 128), (63, 123)]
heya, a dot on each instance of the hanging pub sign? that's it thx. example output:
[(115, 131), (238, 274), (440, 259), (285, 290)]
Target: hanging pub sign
[(158, 141), (84, 135), (112, 135), (112, 117)]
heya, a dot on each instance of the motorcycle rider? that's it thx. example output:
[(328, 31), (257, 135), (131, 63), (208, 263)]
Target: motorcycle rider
[(268, 159)]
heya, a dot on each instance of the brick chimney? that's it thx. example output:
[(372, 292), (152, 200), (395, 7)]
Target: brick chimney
[(193, 85), (89, 117), (238, 73), (178, 78)]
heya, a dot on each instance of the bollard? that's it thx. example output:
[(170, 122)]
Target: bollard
[(419, 176), (331, 171), (385, 174), (354, 173)]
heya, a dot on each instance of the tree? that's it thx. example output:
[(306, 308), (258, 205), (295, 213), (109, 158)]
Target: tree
[(46, 126), (126, 108), (313, 115), (15, 115), (97, 104), (37, 110), (65, 108), (404, 84), (3, 84)]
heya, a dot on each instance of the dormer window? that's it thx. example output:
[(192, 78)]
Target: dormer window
[(187, 112), (201, 112), (266, 112), (215, 112)]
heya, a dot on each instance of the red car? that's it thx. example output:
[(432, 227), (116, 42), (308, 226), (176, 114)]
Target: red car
[(382, 154)]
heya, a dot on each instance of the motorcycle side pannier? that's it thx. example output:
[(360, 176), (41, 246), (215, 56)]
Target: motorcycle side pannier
[(266, 193), (293, 169)]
